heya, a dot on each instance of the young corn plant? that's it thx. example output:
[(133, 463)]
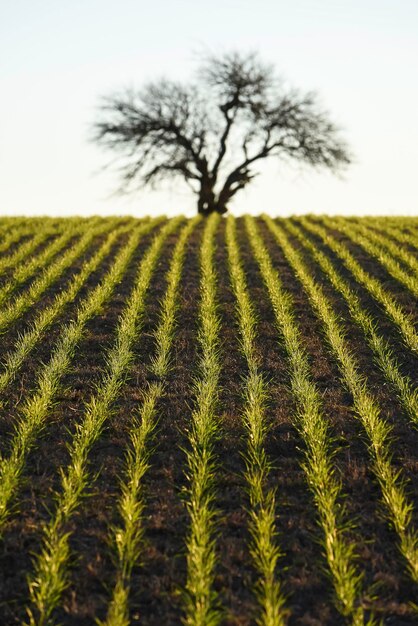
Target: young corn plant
[(163, 336), (389, 239), (14, 236), (16, 308), (396, 313), (26, 342), (380, 252), (49, 578), (25, 250), (264, 548), (201, 606), (8, 224), (25, 271), (35, 410), (32, 224), (392, 485), (312, 425), (383, 354), (127, 536)]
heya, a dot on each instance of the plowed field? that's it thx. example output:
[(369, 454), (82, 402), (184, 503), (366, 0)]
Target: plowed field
[(209, 421)]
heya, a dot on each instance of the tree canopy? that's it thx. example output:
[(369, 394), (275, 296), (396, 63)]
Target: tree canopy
[(213, 132)]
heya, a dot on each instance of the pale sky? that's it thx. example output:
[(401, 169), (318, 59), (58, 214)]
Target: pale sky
[(57, 57)]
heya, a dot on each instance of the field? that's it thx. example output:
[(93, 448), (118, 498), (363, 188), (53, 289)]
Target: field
[(209, 421)]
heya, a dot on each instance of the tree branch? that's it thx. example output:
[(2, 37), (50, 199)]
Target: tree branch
[(229, 120)]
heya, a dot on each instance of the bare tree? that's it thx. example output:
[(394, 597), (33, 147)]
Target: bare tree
[(213, 132)]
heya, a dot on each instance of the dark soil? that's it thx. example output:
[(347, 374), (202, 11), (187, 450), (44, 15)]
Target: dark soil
[(157, 582)]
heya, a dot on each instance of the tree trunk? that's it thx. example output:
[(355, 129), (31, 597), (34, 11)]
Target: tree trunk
[(208, 202), (221, 208), (205, 207)]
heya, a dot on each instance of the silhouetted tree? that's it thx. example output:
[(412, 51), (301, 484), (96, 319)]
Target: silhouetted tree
[(213, 132)]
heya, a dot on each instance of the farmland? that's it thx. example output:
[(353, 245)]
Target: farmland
[(209, 421)]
